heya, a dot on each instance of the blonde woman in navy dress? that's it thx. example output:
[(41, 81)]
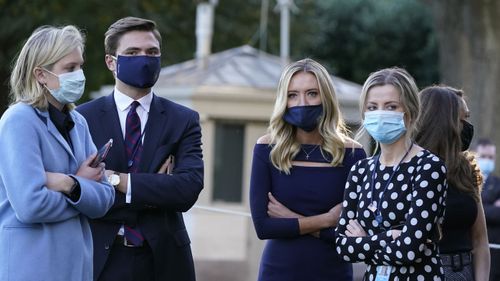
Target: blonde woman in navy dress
[(394, 201), (298, 177)]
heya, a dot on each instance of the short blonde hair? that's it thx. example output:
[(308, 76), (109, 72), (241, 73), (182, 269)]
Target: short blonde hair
[(46, 46), (407, 88), (331, 125)]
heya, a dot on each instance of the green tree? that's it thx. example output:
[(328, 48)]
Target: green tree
[(468, 33), (353, 37), (357, 37), (175, 19), (19, 18)]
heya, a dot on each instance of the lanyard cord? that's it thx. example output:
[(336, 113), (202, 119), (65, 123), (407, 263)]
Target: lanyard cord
[(378, 215)]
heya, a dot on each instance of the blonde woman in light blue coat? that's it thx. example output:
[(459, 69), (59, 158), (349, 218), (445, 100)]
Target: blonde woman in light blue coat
[(48, 189)]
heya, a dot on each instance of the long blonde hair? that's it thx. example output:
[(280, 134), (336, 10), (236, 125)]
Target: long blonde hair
[(46, 46), (331, 125)]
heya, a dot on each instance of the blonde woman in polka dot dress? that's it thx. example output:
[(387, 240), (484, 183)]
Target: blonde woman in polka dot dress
[(394, 201)]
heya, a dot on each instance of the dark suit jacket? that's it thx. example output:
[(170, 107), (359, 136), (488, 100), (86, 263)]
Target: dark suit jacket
[(490, 194), (157, 199)]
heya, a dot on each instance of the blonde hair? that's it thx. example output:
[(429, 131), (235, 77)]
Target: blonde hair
[(408, 95), (46, 46), (331, 125)]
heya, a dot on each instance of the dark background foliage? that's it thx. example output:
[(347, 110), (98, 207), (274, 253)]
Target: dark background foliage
[(351, 37)]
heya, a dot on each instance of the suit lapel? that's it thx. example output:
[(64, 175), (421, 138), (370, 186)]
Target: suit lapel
[(154, 128), (111, 128)]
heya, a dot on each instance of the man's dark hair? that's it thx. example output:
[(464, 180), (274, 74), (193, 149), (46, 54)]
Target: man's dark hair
[(124, 25), (484, 142)]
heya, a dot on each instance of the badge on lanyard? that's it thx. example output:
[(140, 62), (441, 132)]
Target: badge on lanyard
[(373, 206), (383, 272)]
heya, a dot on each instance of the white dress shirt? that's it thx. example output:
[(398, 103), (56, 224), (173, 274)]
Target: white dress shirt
[(123, 102)]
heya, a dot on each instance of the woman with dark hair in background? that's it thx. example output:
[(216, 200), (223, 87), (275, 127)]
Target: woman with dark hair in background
[(445, 131)]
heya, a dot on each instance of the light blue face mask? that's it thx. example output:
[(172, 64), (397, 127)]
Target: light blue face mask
[(486, 165), (384, 126), (71, 86)]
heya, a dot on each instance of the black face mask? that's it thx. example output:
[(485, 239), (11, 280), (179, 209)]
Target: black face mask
[(466, 134)]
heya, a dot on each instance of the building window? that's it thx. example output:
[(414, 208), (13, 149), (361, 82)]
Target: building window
[(228, 162)]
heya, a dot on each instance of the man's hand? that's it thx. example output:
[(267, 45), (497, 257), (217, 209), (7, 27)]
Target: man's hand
[(122, 186), (168, 166)]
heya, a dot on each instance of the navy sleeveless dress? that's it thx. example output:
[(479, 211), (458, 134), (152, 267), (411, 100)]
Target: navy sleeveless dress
[(309, 191)]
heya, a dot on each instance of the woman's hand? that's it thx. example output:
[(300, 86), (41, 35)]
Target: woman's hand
[(59, 182), (395, 233), (497, 203), (354, 229), (277, 210), (85, 171), (334, 214)]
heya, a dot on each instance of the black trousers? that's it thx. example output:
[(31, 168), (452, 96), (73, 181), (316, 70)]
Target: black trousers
[(129, 264)]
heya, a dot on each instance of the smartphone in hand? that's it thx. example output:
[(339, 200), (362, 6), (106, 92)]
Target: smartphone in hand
[(101, 154)]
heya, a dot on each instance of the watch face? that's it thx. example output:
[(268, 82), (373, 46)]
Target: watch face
[(114, 179)]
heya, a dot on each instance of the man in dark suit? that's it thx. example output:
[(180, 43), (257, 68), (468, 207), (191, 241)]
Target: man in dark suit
[(143, 236), (486, 155)]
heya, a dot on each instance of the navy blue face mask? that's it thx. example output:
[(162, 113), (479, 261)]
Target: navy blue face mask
[(138, 71), (304, 117)]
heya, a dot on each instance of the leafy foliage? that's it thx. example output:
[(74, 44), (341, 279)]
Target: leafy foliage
[(175, 18), (357, 37), (353, 37)]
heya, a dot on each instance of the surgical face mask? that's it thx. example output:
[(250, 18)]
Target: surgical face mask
[(384, 126), (304, 117), (71, 86), (486, 165), (138, 71), (466, 134)]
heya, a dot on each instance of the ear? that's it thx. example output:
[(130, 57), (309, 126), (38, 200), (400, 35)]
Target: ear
[(110, 62), (406, 120), (40, 75)]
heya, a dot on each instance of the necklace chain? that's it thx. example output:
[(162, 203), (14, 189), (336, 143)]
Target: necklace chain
[(312, 150)]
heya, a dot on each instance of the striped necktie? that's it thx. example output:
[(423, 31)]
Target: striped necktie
[(133, 147), (133, 144)]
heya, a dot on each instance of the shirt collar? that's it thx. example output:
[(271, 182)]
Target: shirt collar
[(123, 101), (62, 119)]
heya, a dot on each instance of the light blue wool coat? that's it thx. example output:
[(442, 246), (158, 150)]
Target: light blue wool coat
[(44, 236)]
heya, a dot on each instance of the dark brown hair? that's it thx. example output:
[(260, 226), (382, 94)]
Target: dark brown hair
[(439, 130), (124, 25)]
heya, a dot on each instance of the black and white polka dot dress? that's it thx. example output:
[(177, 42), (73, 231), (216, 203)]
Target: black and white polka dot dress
[(413, 201)]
